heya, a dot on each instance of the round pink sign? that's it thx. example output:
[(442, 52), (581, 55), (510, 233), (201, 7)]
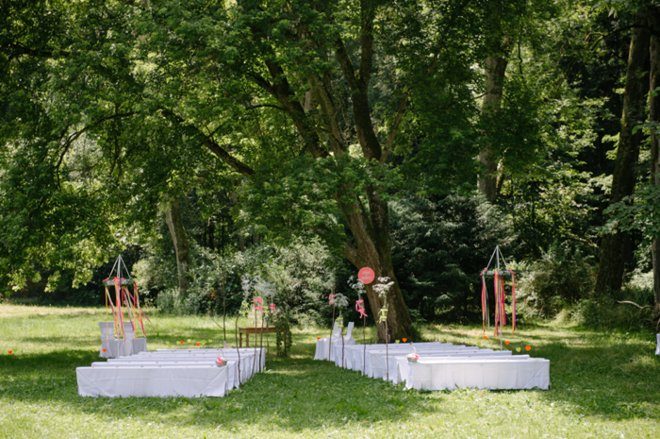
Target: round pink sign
[(366, 275)]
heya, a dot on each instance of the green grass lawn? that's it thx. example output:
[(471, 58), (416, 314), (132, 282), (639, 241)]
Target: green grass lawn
[(602, 385)]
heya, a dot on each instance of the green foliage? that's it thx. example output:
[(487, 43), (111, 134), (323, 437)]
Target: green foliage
[(108, 109), (283, 336), (295, 276), (439, 248), (562, 276), (606, 314)]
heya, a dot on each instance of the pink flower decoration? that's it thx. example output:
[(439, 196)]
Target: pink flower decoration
[(359, 307), (259, 300), (258, 308), (219, 361), (272, 307), (413, 357)]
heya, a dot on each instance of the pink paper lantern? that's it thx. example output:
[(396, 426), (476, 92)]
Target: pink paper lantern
[(366, 275)]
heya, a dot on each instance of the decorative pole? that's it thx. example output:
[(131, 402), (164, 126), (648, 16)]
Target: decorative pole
[(257, 303), (366, 276), (382, 288), (223, 291), (360, 309), (261, 337), (332, 302)]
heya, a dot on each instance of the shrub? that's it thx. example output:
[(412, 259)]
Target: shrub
[(301, 274), (606, 313), (562, 277)]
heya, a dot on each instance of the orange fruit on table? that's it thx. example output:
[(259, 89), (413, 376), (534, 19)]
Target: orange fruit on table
[(404, 339), (198, 344), (507, 342), (528, 348), (10, 352)]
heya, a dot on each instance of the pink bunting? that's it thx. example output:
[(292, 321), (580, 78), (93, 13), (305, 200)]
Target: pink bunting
[(359, 307)]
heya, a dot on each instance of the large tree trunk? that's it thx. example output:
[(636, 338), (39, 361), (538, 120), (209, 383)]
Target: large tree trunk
[(495, 69), (369, 226), (179, 241), (654, 117), (616, 249), (372, 248)]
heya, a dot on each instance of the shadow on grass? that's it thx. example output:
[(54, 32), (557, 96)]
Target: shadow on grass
[(593, 374), (295, 394), (608, 375)]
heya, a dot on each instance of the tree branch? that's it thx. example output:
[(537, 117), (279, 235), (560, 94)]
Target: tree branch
[(361, 110), (396, 123), (211, 144), (255, 106), (351, 253), (367, 14), (66, 143)]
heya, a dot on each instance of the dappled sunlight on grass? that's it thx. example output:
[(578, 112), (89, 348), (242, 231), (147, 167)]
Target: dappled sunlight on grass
[(602, 385)]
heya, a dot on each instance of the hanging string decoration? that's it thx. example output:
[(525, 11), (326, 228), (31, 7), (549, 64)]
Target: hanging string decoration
[(126, 299), (497, 269)]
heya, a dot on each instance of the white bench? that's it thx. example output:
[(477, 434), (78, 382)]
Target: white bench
[(157, 381), (480, 373)]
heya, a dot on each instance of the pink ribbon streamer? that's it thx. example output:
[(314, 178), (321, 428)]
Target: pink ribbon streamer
[(359, 307)]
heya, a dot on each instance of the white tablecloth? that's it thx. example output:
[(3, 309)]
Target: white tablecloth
[(377, 365), (165, 381), (245, 355), (232, 368), (331, 351), (480, 373), (354, 354), (173, 372), (247, 363)]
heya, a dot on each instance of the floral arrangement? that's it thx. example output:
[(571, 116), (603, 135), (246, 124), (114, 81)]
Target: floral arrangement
[(220, 362), (412, 357)]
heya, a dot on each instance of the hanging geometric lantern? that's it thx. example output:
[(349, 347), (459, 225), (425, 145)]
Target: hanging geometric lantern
[(121, 281), (500, 274)]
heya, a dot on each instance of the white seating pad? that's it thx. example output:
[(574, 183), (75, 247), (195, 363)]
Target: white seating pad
[(188, 373)]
